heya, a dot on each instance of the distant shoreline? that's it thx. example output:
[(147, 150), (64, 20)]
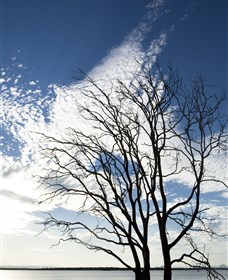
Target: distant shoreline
[(99, 268)]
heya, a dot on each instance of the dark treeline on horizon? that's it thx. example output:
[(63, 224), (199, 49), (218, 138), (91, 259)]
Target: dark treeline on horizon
[(99, 268)]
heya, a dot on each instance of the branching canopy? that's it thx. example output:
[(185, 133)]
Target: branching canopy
[(143, 141)]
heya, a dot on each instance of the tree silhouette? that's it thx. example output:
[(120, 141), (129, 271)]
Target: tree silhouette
[(146, 137)]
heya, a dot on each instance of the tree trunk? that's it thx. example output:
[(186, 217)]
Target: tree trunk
[(167, 265), (142, 275), (167, 273), (145, 274), (166, 253), (138, 274)]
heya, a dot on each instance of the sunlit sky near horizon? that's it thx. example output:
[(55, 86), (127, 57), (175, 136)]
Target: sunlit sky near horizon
[(43, 45)]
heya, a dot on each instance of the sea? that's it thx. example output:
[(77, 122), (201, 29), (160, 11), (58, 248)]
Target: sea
[(97, 275)]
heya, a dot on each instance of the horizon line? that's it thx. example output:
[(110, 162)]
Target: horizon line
[(11, 267)]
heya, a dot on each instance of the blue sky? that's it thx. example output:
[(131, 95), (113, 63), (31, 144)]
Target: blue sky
[(43, 45), (57, 37)]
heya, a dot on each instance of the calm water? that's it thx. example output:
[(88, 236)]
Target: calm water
[(96, 275)]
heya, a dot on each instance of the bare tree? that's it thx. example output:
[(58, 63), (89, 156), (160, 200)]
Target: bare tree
[(145, 137)]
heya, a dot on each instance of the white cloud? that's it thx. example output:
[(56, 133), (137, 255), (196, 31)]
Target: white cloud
[(155, 9), (224, 194), (19, 197), (32, 83)]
